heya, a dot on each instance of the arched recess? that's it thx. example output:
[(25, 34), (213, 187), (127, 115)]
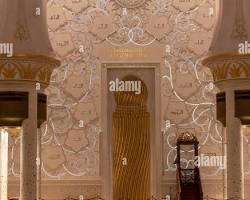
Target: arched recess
[(131, 142), (149, 73)]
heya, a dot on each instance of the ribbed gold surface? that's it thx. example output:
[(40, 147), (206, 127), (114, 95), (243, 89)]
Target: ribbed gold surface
[(130, 98), (131, 140)]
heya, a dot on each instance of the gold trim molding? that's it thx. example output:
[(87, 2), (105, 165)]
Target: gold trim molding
[(230, 66), (26, 67), (13, 131)]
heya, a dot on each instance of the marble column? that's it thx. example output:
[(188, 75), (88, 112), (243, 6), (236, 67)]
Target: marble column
[(230, 67), (234, 151), (28, 182), (224, 151), (38, 161), (4, 164)]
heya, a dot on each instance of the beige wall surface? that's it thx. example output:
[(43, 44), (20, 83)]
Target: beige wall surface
[(86, 33)]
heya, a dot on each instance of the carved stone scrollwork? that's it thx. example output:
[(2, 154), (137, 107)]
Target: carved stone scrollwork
[(27, 67), (130, 3)]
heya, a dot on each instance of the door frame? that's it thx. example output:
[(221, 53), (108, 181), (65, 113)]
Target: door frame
[(156, 168)]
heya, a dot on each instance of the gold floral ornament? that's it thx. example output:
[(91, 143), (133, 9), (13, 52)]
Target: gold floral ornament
[(13, 131), (229, 66), (246, 131), (27, 67)]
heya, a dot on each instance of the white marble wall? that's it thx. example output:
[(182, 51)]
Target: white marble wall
[(71, 136)]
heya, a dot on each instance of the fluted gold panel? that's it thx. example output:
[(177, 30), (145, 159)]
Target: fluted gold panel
[(131, 147)]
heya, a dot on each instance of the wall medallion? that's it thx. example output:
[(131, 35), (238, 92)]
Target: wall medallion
[(130, 3)]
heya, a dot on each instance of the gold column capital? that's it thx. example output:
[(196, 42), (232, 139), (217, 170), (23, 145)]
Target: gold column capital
[(27, 67), (228, 66)]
